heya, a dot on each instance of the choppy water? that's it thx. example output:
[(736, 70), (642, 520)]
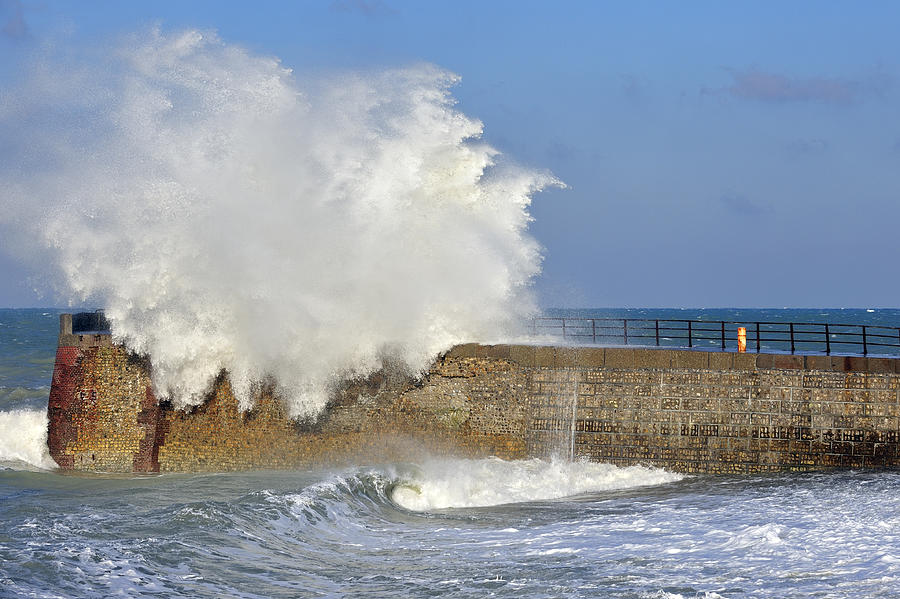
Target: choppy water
[(438, 527)]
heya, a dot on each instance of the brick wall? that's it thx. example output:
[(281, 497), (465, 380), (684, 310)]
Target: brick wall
[(689, 411), (718, 412)]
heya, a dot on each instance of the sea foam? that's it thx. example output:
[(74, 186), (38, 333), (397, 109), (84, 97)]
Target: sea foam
[(23, 439), (449, 483), (229, 214)]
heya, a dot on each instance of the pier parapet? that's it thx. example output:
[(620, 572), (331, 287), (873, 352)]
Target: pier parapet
[(684, 410)]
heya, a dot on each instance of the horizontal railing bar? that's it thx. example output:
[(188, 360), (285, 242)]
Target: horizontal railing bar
[(711, 322), (809, 337), (686, 320)]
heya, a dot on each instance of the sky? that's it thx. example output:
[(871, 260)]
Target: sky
[(715, 154)]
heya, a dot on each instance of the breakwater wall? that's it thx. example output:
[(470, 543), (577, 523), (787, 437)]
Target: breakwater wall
[(690, 411)]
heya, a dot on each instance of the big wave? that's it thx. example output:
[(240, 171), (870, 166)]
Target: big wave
[(441, 484), (448, 483), (229, 214), (23, 440)]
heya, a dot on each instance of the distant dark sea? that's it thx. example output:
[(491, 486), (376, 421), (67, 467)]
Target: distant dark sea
[(439, 527), (872, 316)]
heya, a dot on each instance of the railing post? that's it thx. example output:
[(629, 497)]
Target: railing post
[(597, 337)]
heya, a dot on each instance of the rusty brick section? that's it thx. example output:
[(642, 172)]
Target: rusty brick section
[(102, 419), (684, 410), (64, 390), (102, 413)]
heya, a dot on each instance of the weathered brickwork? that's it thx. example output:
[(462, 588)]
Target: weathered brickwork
[(458, 408), (683, 410), (104, 418), (102, 412), (724, 416)]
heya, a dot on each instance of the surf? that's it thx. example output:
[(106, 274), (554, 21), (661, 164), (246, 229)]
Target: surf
[(464, 483), (230, 214), (23, 440)]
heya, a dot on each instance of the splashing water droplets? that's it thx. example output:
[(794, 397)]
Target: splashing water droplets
[(230, 215)]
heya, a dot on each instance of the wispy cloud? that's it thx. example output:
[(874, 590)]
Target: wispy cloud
[(742, 205), (369, 8), (632, 88), (12, 17), (807, 147), (765, 86)]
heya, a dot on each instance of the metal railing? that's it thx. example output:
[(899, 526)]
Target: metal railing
[(778, 337)]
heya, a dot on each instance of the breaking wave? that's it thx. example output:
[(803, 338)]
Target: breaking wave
[(23, 440), (448, 483), (229, 214), (442, 484)]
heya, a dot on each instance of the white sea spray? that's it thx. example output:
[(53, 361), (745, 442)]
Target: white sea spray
[(231, 215), (23, 438)]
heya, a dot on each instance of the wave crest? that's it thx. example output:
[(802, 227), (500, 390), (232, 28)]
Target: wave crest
[(443, 484), (230, 215), (23, 440)]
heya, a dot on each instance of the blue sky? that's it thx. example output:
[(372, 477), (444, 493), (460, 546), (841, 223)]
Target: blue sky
[(716, 154)]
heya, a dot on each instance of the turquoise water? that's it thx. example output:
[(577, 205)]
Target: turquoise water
[(437, 527)]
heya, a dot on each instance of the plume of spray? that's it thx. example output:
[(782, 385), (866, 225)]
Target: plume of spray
[(231, 216)]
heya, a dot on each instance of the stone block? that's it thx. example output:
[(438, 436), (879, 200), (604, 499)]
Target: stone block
[(500, 351), (721, 360), (565, 357), (465, 350), (652, 358), (619, 357), (590, 357), (765, 361), (838, 364), (744, 361), (691, 359), (818, 363), (856, 364), (544, 357), (787, 362), (881, 365), (523, 355)]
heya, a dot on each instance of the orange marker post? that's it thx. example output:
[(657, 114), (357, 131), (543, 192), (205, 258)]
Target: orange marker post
[(742, 339)]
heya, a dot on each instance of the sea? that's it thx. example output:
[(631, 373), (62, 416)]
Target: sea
[(435, 527)]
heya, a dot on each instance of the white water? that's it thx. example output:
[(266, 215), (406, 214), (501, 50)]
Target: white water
[(228, 214), (23, 439), (441, 484)]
